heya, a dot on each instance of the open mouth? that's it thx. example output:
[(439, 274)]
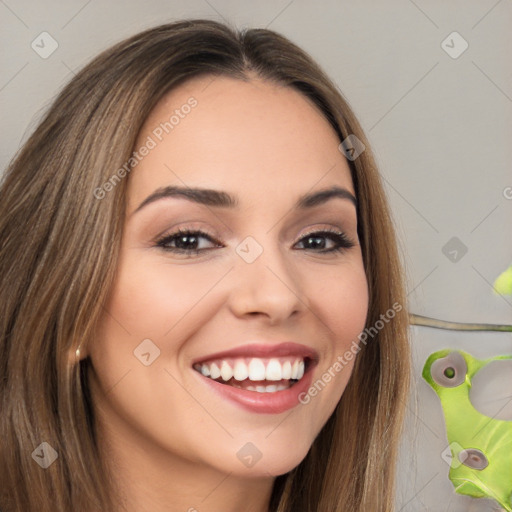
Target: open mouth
[(263, 375)]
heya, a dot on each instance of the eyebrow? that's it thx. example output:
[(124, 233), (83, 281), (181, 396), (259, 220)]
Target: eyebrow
[(221, 199)]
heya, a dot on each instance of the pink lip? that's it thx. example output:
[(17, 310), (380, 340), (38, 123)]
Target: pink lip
[(263, 403), (258, 350)]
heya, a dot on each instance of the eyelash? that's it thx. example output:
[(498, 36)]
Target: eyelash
[(342, 241)]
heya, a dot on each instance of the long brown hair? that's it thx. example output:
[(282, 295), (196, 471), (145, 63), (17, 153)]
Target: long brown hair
[(59, 247)]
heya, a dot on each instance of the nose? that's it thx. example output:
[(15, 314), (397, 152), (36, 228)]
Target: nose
[(268, 287)]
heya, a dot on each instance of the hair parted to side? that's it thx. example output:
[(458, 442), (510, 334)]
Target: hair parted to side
[(59, 247)]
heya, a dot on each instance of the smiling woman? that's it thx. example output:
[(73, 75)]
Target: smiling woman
[(160, 330)]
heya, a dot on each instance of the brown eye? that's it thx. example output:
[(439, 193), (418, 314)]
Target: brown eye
[(341, 241), (473, 458), (449, 371)]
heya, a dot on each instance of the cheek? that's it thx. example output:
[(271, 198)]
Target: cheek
[(340, 301), (149, 300), (341, 305)]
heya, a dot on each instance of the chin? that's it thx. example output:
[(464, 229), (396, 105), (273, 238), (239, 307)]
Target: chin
[(269, 461)]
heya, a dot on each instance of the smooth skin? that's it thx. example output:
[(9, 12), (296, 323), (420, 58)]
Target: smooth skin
[(171, 440)]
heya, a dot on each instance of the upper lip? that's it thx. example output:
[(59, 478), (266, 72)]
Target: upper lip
[(263, 350)]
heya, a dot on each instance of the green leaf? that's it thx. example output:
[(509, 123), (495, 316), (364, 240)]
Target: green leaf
[(481, 446), (503, 283)]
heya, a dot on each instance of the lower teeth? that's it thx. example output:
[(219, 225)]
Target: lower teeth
[(264, 389), (270, 388)]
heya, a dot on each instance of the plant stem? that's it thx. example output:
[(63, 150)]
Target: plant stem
[(426, 321)]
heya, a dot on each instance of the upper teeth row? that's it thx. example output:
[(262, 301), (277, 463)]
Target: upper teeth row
[(254, 369)]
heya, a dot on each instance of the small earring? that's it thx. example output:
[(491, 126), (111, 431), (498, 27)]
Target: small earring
[(77, 353)]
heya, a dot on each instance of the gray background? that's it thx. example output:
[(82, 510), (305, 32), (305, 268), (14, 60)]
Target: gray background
[(440, 129)]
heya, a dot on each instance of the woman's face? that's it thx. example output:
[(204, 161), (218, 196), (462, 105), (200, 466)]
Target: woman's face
[(251, 289)]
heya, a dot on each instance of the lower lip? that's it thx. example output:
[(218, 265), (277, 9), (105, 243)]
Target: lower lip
[(263, 403)]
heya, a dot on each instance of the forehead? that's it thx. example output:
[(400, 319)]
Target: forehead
[(253, 137)]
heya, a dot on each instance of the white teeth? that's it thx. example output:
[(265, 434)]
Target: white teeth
[(214, 371), (273, 370), (287, 370), (256, 370), (267, 389), (225, 371), (295, 370), (240, 372), (300, 373)]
